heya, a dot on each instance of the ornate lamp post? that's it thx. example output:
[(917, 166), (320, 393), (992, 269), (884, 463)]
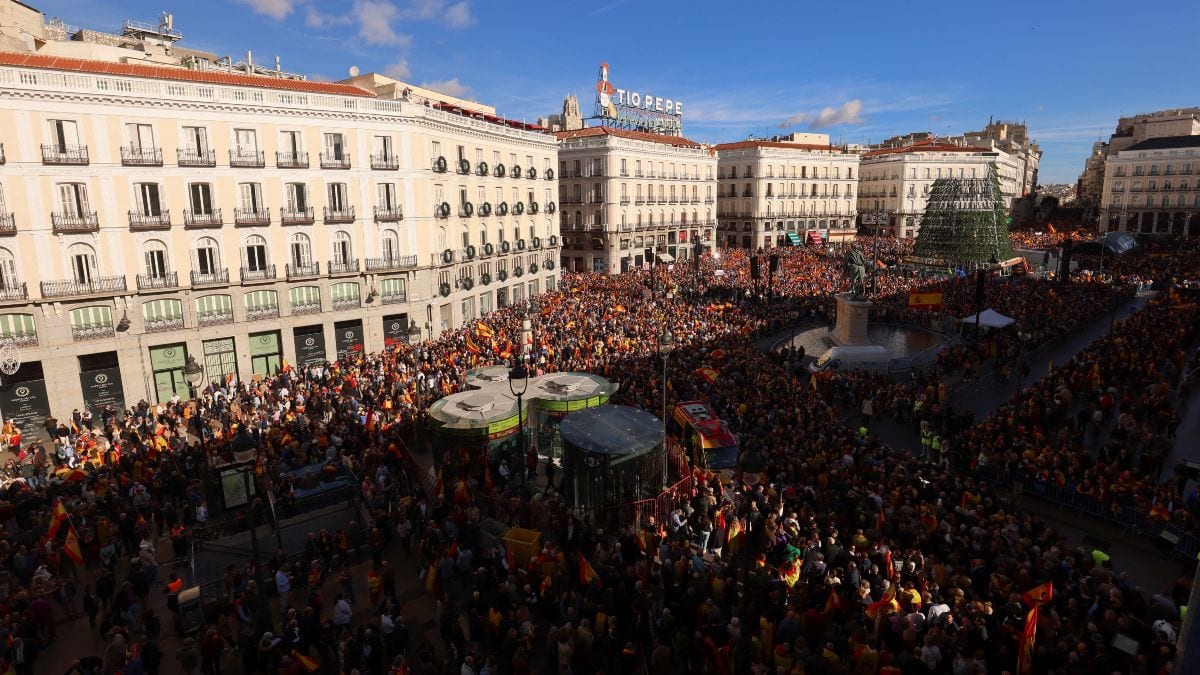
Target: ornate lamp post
[(194, 374), (518, 383)]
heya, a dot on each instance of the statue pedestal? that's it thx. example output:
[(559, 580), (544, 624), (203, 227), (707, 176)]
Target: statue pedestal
[(851, 326)]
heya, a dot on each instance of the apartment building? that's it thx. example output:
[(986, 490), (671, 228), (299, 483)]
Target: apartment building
[(631, 198), (1153, 187), (785, 191), (156, 215)]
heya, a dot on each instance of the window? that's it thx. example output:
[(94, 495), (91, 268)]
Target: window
[(337, 197), (383, 147), (343, 252), (254, 254), (73, 200), (64, 134), (437, 149), (245, 141), (289, 143), (83, 263), (19, 327), (146, 196), (250, 197), (154, 257), (296, 196), (300, 249), (304, 297), (141, 136), (8, 270), (390, 244), (210, 307), (335, 146), (195, 139), (201, 198), (386, 196), (206, 257)]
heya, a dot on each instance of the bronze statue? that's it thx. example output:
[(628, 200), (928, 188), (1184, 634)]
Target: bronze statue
[(856, 271)]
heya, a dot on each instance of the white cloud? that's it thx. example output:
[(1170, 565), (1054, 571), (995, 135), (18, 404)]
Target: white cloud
[(398, 70), (449, 87), (458, 15), (276, 9), (374, 20), (849, 112)]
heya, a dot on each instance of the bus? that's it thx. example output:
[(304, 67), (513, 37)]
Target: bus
[(705, 438)]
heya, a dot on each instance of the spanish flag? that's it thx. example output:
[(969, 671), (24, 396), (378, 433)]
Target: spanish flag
[(71, 547), (1160, 511), (1050, 226), (886, 604), (833, 603), (586, 574), (308, 663), (471, 346), (790, 573), (57, 515), (1028, 636), (1039, 595), (930, 301), (483, 330), (287, 367), (707, 373)]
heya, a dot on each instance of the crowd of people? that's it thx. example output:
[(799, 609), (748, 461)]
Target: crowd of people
[(851, 557)]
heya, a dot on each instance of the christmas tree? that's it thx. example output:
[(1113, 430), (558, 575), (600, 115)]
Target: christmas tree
[(965, 225)]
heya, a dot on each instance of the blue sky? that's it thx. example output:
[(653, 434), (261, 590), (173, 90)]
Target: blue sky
[(858, 71)]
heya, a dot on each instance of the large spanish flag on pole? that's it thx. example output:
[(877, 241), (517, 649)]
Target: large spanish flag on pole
[(1025, 651), (57, 515), (483, 330), (931, 301)]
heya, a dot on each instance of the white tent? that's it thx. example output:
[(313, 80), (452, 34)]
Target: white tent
[(990, 318)]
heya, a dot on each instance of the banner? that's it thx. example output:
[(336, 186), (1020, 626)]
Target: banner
[(310, 345), (930, 301), (395, 330), (102, 387), (348, 337), (26, 404)]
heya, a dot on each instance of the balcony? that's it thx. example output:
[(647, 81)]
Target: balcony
[(147, 282), (396, 297), (14, 291), (624, 201), (334, 216), (145, 222), (251, 159), (215, 278), (709, 200), (343, 268), (387, 264), (291, 160), (262, 313), (310, 308), (638, 174), (85, 333), (258, 275), (65, 155), (292, 216), (250, 217), (333, 161), (136, 155), (193, 157), (385, 162), (8, 226), (64, 223), (97, 286), (302, 271), (346, 303), (164, 325), (193, 220), (640, 201), (214, 318), (388, 215)]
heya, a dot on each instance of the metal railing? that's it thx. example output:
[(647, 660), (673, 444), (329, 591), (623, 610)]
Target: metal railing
[(97, 286), (262, 313), (16, 291), (347, 303), (331, 161), (307, 308), (65, 223), (265, 273), (401, 262), (150, 221), (136, 155), (247, 158), (152, 281), (192, 157), (302, 271), (214, 318), (210, 219), (163, 325), (345, 267), (385, 162), (65, 154), (219, 277), (385, 215), (289, 216), (337, 215), (84, 333), (251, 217), (291, 160), (8, 225), (394, 299)]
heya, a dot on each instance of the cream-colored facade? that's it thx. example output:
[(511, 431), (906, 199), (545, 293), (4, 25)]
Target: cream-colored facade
[(785, 191), (630, 198), (155, 214), (896, 181), (1153, 187)]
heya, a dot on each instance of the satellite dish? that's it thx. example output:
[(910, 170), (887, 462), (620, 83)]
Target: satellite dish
[(354, 71)]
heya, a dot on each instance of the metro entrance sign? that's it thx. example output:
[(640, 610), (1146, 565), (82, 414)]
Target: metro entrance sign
[(637, 110)]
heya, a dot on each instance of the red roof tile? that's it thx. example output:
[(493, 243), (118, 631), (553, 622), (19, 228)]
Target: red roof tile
[(156, 72), (677, 141), (743, 145), (924, 146)]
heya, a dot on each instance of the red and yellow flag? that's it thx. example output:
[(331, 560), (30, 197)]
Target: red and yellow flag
[(707, 373), (586, 574), (71, 547), (287, 367), (734, 535), (930, 301), (833, 603), (471, 346), (483, 330), (1028, 636), (57, 515), (886, 604), (1038, 595), (790, 573), (308, 663)]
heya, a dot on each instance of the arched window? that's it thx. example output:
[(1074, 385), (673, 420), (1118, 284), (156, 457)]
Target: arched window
[(82, 260), (154, 259), (206, 257), (254, 254), (343, 251), (8, 271), (300, 250), (390, 245)]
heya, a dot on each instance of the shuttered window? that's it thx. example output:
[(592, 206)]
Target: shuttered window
[(345, 292), (16, 326), (214, 305), (392, 288), (162, 310), (305, 296), (91, 317), (262, 300)]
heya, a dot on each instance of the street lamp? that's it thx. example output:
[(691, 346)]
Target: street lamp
[(194, 374), (666, 343), (518, 383), (876, 218)]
